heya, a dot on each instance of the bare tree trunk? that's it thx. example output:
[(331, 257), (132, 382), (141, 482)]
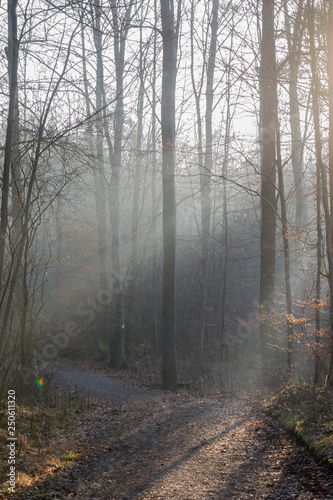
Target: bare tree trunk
[(321, 167), (17, 198), (154, 197), (286, 253), (27, 205), (318, 364), (205, 181), (132, 320), (268, 191), (297, 144), (205, 160), (225, 232), (99, 172), (204, 263), (12, 129), (330, 146), (117, 344), (96, 152), (170, 40)]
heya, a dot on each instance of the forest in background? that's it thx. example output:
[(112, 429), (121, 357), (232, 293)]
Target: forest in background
[(167, 188)]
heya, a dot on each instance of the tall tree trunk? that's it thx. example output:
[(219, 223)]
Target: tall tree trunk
[(205, 181), (153, 193), (99, 171), (134, 265), (321, 166), (170, 39), (286, 254), (17, 198), (12, 129), (225, 231), (268, 108), (197, 91), (117, 353), (330, 146), (318, 364), (294, 40), (29, 197)]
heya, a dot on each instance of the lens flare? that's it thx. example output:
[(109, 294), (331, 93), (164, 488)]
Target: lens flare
[(103, 346), (40, 382)]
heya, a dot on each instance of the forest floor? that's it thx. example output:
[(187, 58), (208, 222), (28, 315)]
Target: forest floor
[(137, 443)]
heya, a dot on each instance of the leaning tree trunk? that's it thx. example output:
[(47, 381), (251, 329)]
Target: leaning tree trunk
[(29, 198), (170, 36), (268, 107)]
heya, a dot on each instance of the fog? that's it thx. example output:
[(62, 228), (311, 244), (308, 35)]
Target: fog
[(67, 292)]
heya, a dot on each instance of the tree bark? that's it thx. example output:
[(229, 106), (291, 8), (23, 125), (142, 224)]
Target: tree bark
[(117, 343), (153, 193), (225, 232), (318, 364), (12, 128), (268, 107), (330, 153), (99, 170), (205, 181), (294, 40), (286, 254), (321, 168), (170, 38), (134, 264)]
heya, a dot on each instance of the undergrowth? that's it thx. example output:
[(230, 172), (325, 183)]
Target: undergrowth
[(40, 413), (306, 411)]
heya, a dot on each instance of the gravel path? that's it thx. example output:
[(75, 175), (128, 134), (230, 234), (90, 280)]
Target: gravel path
[(98, 385), (149, 445)]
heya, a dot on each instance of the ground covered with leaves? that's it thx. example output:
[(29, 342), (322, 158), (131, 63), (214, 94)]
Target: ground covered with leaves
[(307, 411), (42, 418), (147, 444)]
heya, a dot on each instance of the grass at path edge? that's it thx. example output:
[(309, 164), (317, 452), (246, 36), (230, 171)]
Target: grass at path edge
[(307, 413)]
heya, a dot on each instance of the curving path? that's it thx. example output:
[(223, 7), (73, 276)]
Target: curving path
[(137, 444)]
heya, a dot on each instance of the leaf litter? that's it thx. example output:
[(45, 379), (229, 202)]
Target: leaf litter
[(147, 444)]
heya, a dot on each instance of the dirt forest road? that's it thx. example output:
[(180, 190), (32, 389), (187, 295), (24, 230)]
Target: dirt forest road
[(140, 444)]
